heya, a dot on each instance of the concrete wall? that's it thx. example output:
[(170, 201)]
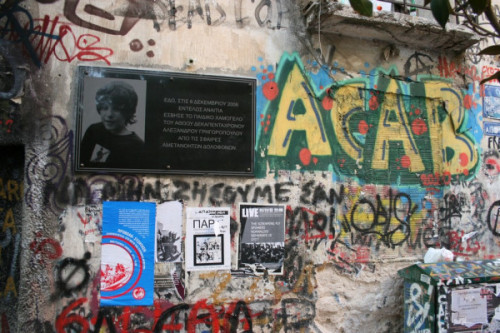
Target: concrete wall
[(386, 157)]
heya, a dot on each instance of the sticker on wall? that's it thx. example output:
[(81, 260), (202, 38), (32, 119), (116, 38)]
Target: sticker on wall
[(491, 128), (127, 255), (208, 239), (91, 219), (169, 281), (262, 244), (169, 232)]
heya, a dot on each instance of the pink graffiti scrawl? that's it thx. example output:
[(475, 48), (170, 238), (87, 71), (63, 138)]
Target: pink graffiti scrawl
[(131, 16)]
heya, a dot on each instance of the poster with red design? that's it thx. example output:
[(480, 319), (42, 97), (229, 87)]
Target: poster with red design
[(127, 254)]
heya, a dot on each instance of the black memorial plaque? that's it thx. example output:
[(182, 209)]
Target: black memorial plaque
[(183, 123)]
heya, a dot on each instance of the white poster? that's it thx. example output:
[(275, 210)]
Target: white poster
[(468, 307), (169, 232), (208, 243)]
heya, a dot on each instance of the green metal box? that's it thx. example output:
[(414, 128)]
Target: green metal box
[(452, 297)]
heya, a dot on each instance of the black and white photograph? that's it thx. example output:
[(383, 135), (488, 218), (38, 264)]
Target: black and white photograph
[(131, 120), (262, 238), (113, 123), (263, 256), (169, 231), (208, 250)]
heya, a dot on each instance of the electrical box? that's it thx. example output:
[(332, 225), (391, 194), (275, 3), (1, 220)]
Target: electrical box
[(452, 297)]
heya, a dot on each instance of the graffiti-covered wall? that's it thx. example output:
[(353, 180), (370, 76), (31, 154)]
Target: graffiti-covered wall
[(375, 157)]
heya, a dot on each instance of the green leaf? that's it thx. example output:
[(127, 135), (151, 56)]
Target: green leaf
[(495, 76), (478, 6), (490, 50), (363, 7), (441, 11)]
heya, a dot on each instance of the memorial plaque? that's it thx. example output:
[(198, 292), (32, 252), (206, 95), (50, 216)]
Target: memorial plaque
[(161, 122)]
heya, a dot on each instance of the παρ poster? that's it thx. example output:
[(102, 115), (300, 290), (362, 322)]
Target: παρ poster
[(208, 239), (127, 255), (262, 244)]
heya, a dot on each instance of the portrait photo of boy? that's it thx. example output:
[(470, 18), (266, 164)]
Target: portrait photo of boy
[(113, 123)]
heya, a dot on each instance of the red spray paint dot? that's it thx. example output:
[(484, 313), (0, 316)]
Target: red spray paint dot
[(373, 103), (270, 76), (493, 164), (464, 159), (363, 127), (315, 160), (468, 101), (405, 161), (270, 90), (305, 156), (418, 126), (327, 103)]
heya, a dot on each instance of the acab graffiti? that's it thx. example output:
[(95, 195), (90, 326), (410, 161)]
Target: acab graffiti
[(381, 129)]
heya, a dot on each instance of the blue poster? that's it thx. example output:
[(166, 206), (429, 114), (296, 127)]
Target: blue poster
[(491, 101), (127, 255)]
